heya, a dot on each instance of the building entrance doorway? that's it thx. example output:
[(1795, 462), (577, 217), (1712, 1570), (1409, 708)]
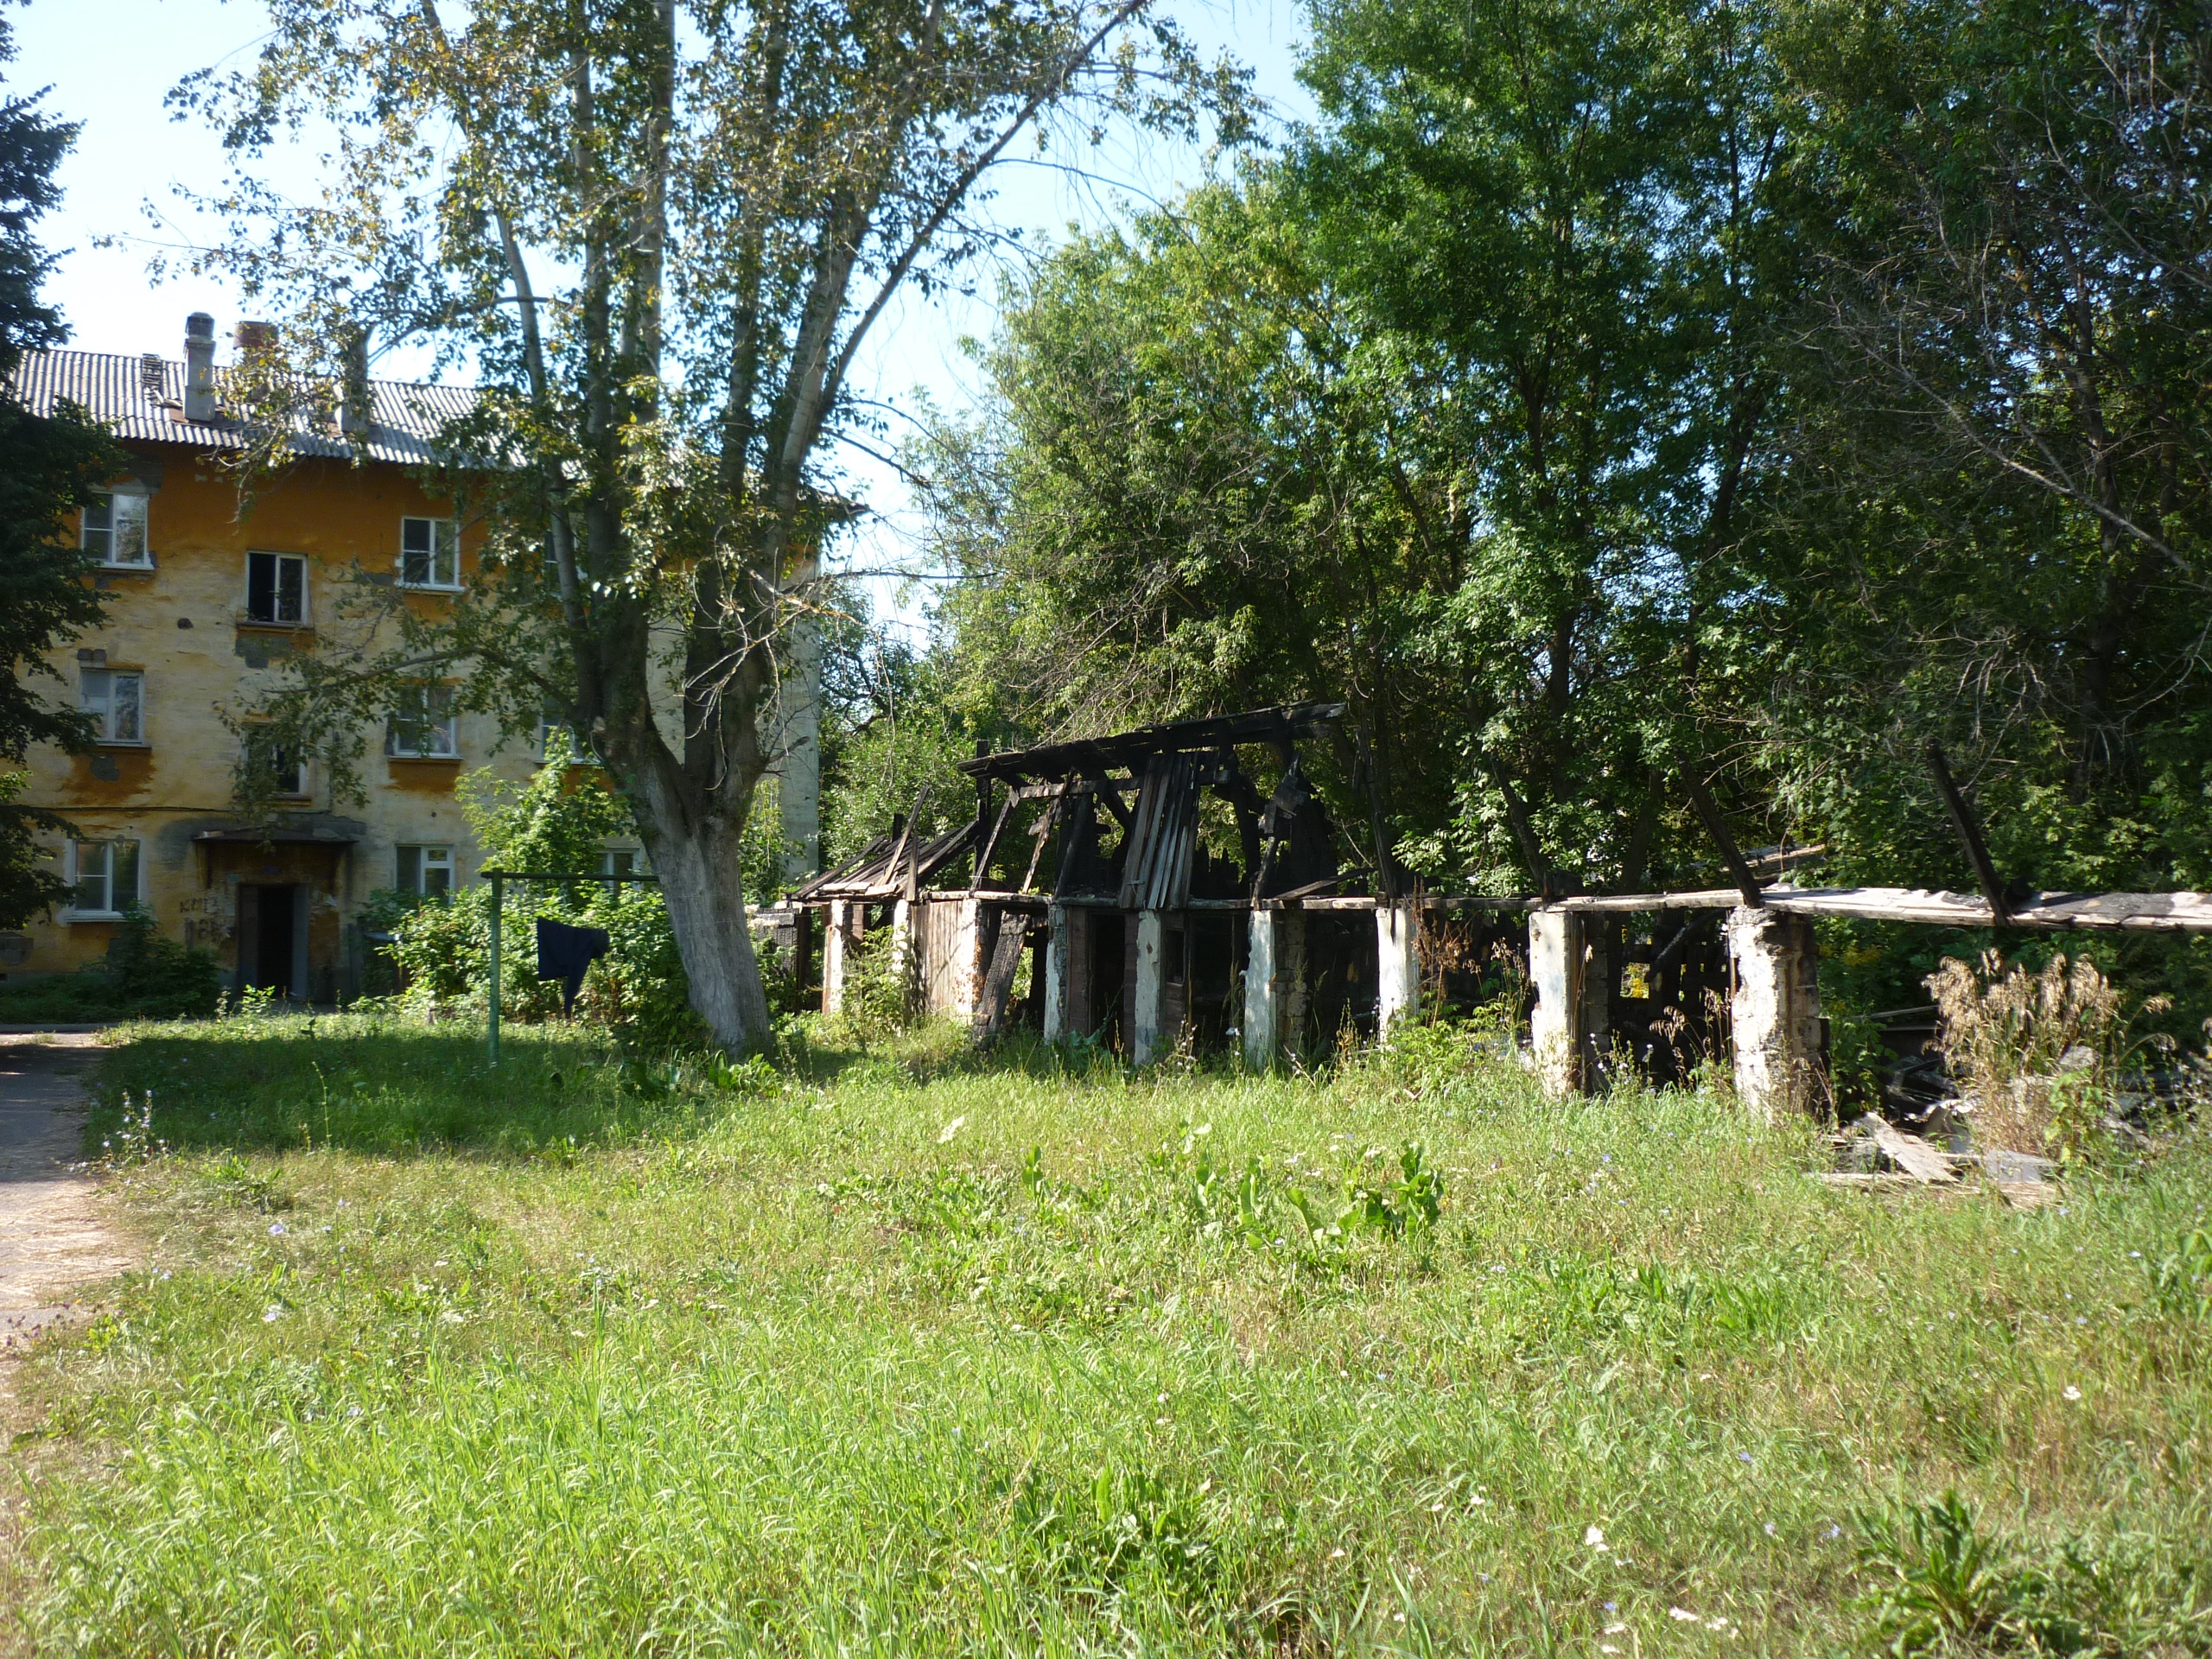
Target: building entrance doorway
[(273, 939)]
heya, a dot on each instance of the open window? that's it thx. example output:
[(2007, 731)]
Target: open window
[(430, 553), (115, 699), (550, 720), (105, 876), (115, 530), (425, 871), (423, 725), (277, 589), (284, 770)]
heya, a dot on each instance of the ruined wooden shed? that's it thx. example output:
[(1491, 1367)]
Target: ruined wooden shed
[(1088, 859), (1090, 855)]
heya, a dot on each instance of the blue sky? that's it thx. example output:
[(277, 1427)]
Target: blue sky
[(108, 63)]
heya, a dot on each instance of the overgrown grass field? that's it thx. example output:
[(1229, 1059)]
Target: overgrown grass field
[(893, 1350)]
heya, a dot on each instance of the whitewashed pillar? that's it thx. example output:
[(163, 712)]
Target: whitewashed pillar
[(1147, 1037), (1397, 965), (1056, 975), (1571, 1027), (1775, 1014), (1274, 985), (1555, 962)]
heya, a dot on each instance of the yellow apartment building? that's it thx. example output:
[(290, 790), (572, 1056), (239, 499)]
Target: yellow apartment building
[(204, 604)]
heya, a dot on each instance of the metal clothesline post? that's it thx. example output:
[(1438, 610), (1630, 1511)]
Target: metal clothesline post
[(498, 879)]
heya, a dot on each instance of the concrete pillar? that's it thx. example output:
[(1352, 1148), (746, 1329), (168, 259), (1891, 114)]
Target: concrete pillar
[(839, 940), (1775, 1014), (1274, 985), (1056, 975), (1571, 1026), (1148, 1038), (1555, 1023), (1397, 965)]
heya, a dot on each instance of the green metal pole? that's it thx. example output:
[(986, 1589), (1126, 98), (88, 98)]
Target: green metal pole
[(492, 1035)]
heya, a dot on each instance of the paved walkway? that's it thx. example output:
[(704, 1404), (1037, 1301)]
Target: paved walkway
[(52, 1237)]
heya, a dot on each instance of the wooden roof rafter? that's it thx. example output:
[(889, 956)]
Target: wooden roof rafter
[(1095, 757)]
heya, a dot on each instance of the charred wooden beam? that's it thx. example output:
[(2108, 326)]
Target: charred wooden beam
[(1129, 750), (1708, 812), (1969, 833)]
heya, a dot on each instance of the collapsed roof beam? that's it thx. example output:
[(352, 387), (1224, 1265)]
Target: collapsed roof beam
[(1092, 757)]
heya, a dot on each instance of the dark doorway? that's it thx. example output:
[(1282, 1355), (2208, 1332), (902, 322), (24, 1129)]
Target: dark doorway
[(268, 931)]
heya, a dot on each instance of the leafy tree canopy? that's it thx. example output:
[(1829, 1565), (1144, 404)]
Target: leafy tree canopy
[(47, 467)]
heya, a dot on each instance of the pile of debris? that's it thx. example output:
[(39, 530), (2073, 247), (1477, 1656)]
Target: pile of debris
[(1875, 1154)]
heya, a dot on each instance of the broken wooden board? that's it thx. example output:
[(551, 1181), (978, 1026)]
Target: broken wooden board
[(998, 979), (2116, 912), (2110, 912), (1858, 1181), (1911, 1155), (2027, 1195)]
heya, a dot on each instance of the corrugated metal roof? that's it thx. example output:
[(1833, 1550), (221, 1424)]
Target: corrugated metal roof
[(143, 399)]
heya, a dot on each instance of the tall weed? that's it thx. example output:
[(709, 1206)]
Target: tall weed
[(2038, 1053)]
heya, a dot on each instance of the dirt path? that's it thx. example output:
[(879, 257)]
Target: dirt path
[(52, 1235), (53, 1238)]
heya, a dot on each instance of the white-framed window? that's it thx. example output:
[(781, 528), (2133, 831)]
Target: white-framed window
[(424, 726), (621, 861), (115, 699), (550, 720), (430, 553), (276, 588), (286, 769), (426, 870), (115, 530), (105, 875)]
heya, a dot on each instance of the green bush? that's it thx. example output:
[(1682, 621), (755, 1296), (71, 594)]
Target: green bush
[(558, 822), (144, 977)]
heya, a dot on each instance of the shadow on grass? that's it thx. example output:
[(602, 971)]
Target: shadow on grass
[(369, 1084), (825, 1052), (373, 1083)]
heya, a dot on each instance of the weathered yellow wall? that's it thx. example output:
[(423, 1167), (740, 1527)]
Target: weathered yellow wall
[(181, 624)]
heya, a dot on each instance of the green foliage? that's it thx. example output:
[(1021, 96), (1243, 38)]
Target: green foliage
[(1592, 392), (2182, 1280), (879, 990), (156, 976), (1942, 1584), (48, 466), (144, 975), (1985, 528), (1442, 414), (637, 991), (559, 824), (1315, 1216)]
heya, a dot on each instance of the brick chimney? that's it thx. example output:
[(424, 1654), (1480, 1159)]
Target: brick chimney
[(199, 368), (255, 339)]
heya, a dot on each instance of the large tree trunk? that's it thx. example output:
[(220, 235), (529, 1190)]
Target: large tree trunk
[(700, 880)]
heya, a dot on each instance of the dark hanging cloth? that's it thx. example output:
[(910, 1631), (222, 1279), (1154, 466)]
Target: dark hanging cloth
[(563, 953)]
